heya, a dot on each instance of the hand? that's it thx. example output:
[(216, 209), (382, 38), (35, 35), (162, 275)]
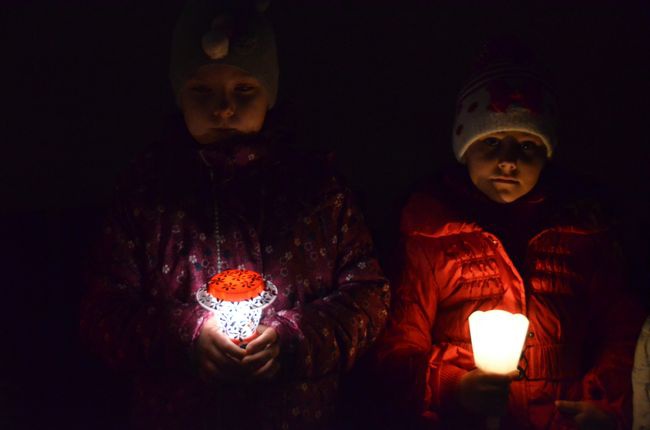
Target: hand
[(587, 415), (485, 393), (217, 356), (261, 360)]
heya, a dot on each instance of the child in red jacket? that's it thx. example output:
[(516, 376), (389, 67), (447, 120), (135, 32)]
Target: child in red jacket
[(504, 232), (222, 193)]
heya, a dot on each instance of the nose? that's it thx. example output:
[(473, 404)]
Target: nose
[(508, 157), (224, 107)]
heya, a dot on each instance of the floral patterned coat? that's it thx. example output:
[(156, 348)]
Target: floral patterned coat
[(279, 213), (540, 256)]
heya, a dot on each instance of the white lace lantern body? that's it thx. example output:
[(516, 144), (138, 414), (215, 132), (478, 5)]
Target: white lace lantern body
[(237, 298)]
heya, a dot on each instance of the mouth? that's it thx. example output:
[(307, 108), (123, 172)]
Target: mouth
[(504, 180), (225, 130)]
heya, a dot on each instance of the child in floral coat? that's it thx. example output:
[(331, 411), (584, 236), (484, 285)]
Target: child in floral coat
[(222, 193), (505, 231)]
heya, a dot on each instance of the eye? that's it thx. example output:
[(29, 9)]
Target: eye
[(492, 142), (244, 88), (527, 145), (200, 89)]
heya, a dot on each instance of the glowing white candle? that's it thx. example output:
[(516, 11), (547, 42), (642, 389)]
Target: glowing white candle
[(497, 340)]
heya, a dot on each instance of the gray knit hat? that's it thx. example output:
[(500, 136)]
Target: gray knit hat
[(212, 32), (504, 96)]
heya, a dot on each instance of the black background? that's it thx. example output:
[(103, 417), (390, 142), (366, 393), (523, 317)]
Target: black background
[(84, 88)]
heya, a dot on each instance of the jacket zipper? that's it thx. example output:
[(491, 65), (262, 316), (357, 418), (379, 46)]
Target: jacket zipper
[(217, 230)]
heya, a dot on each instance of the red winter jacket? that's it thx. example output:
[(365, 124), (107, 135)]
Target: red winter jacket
[(459, 250)]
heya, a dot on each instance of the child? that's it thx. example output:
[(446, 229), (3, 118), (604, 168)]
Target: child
[(222, 193), (503, 232)]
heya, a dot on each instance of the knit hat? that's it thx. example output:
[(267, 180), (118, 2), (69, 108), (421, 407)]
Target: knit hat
[(504, 95), (235, 33)]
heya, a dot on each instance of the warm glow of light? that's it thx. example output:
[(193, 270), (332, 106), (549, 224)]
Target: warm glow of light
[(497, 340), (237, 320), (236, 299)]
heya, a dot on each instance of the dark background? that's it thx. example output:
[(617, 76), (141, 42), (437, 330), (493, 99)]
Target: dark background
[(85, 88)]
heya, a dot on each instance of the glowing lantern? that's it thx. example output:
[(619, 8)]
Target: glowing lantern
[(236, 298), (497, 340)]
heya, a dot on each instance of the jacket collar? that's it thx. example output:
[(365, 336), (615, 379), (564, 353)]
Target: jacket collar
[(451, 204)]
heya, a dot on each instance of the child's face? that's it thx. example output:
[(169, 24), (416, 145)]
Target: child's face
[(506, 165), (222, 101)]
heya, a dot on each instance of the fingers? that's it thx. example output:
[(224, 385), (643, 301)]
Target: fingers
[(513, 375), (500, 390), (227, 346), (217, 363), (568, 407), (497, 380), (261, 366), (223, 352), (262, 349), (219, 357), (259, 359), (484, 393), (266, 372), (209, 370), (261, 355), (212, 336), (587, 415), (267, 337)]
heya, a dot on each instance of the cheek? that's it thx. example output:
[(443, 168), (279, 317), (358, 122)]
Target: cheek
[(531, 172), (479, 169), (194, 110), (193, 120), (252, 114), (196, 120)]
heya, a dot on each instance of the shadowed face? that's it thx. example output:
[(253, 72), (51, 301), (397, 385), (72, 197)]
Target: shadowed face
[(506, 165), (222, 101)]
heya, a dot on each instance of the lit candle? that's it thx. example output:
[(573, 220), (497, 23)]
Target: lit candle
[(497, 340), (237, 298)]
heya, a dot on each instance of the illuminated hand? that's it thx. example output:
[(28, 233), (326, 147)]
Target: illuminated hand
[(217, 356), (587, 415), (261, 360), (485, 393)]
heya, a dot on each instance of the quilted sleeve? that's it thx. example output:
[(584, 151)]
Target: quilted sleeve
[(331, 332), (420, 377), (126, 316), (402, 354)]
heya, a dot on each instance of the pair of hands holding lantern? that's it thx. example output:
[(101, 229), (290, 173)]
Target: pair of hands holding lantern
[(220, 358), (487, 394)]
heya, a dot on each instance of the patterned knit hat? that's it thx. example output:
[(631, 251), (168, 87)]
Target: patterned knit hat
[(221, 32), (504, 95)]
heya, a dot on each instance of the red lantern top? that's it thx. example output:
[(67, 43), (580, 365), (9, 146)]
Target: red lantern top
[(236, 285)]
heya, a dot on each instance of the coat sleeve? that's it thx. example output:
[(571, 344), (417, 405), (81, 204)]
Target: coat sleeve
[(127, 317), (403, 351), (616, 319), (419, 377), (330, 333)]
